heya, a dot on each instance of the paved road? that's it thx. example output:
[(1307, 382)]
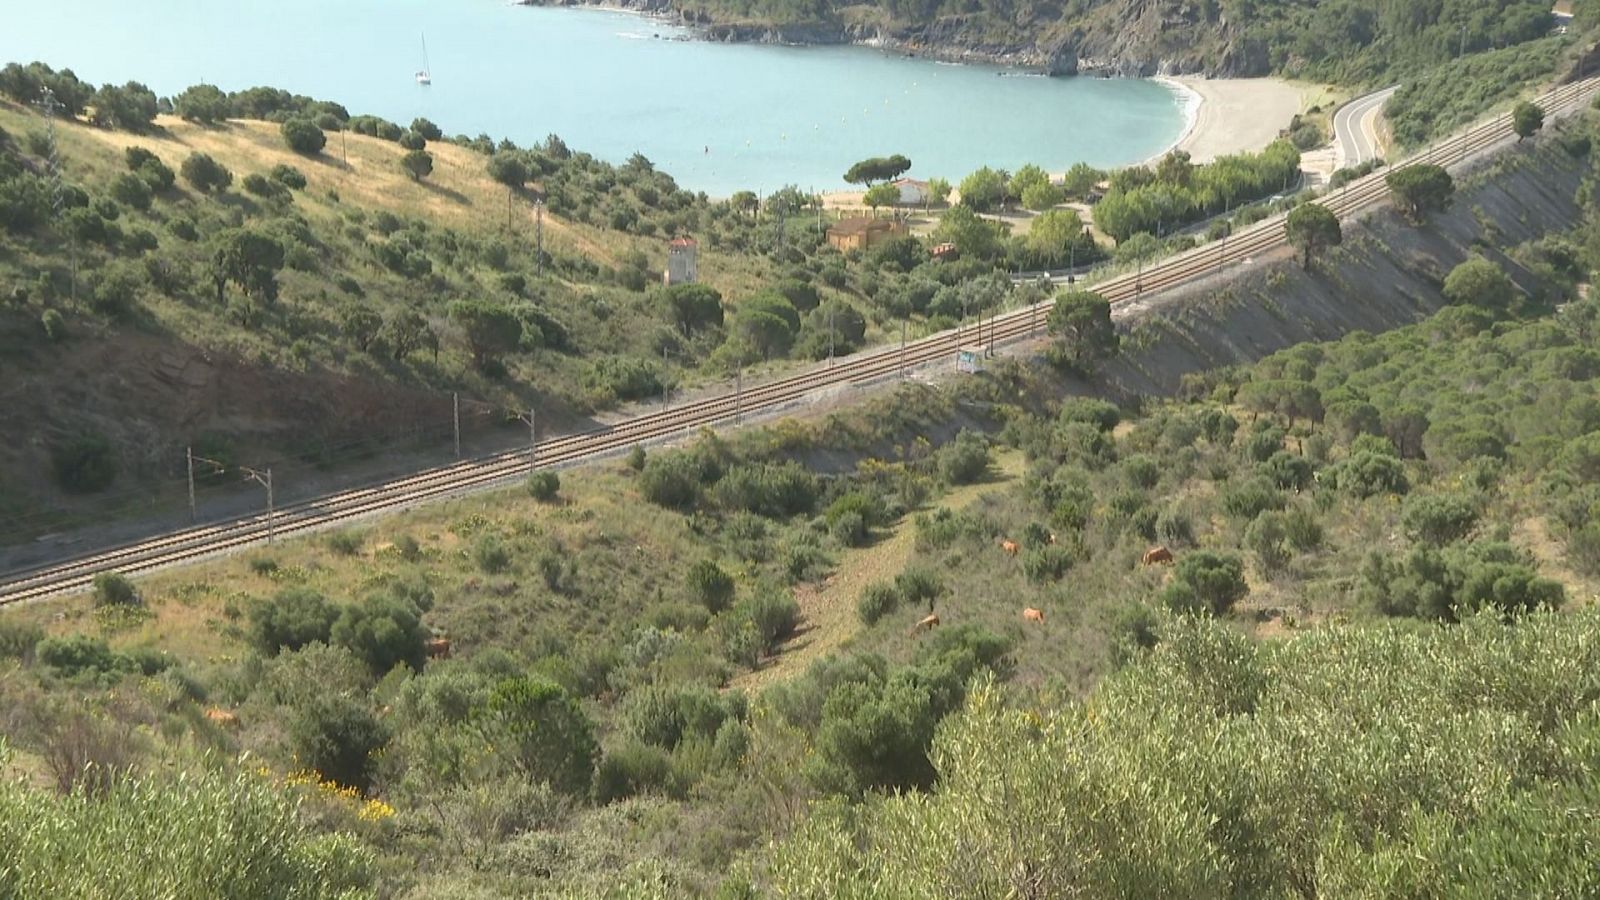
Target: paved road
[(1355, 127)]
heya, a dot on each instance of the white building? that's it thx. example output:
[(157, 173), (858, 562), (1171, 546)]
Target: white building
[(912, 191), (681, 262)]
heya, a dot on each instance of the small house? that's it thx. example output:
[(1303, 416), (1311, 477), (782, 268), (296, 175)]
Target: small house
[(862, 233), (912, 191), (682, 253)]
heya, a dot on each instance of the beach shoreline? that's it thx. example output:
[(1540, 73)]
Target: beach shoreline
[(1222, 116), (1234, 115)]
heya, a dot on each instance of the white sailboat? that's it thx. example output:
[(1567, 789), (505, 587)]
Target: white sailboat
[(424, 77)]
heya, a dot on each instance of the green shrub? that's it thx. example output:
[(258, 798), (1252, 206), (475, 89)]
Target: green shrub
[(1302, 528), (1268, 538), (631, 769), (710, 585), (877, 600), (1141, 471), (18, 638), (1102, 415), (850, 529), (130, 190), (77, 654), (289, 176), (543, 485), (346, 541), (1206, 581), (542, 732), (1366, 473), (85, 465), (1251, 498), (114, 589), (774, 615), (293, 618), (964, 460), (918, 585), (491, 554), (303, 137), (1439, 518), (1046, 564), (337, 736), (383, 632), (671, 479), (774, 491), (216, 832)]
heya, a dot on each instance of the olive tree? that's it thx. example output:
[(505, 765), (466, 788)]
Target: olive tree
[(1312, 228), (1085, 335), (1419, 189)]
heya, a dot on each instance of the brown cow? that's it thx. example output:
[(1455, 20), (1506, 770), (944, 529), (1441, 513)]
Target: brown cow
[(1010, 547), (1029, 614), (222, 718), (1156, 555), (926, 623), (437, 648)]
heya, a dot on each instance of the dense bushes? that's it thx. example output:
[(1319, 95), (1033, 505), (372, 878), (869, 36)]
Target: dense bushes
[(214, 833), (383, 632), (1175, 192), (1354, 814), (1206, 581), (337, 736), (1451, 583), (293, 618), (303, 137)]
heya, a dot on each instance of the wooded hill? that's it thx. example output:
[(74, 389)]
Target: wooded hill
[(1366, 669), (1345, 41)]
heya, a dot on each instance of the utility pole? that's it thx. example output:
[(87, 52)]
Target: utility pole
[(455, 405), (533, 437), (262, 477), (267, 481), (738, 394)]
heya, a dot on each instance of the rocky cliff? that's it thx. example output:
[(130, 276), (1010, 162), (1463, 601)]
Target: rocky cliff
[(1118, 37)]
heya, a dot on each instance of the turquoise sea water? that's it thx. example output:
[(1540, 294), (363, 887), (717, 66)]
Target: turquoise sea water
[(718, 117)]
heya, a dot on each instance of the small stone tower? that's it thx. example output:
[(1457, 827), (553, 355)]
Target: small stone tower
[(681, 262)]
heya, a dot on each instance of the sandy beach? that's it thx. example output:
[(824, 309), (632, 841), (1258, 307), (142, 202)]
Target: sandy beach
[(1226, 115), (1235, 115)]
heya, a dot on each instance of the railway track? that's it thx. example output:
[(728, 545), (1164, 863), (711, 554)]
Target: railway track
[(210, 540)]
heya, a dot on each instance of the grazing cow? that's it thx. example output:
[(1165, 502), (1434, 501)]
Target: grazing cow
[(437, 648), (926, 623), (222, 718), (1029, 614), (1156, 555), (1010, 547)]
